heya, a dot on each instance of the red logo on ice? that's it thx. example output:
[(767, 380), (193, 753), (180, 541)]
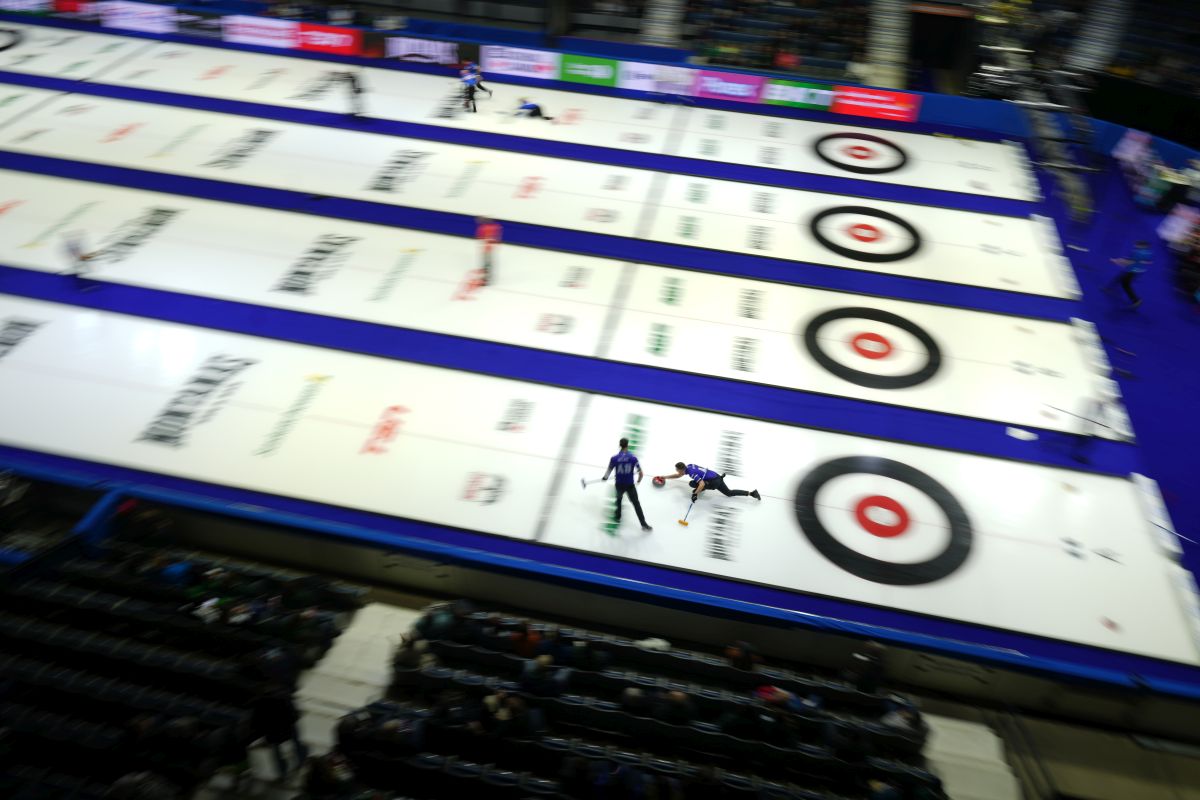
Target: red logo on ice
[(328, 39), (385, 431)]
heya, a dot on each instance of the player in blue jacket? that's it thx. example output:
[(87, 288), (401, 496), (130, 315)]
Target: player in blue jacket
[(702, 479), (625, 464)]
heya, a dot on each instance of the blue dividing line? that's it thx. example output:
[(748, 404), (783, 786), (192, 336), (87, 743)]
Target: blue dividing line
[(615, 247), (654, 384), (678, 165), (644, 582)]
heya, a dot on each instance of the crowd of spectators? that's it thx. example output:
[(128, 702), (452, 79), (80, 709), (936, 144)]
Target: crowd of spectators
[(778, 35), (475, 717), (146, 669), (1161, 47)]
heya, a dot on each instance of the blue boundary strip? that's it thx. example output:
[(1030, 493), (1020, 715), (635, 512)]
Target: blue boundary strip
[(678, 165), (616, 247), (651, 383), (688, 591)]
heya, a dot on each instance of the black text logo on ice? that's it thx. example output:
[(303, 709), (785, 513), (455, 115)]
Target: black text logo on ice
[(15, 331), (198, 395)]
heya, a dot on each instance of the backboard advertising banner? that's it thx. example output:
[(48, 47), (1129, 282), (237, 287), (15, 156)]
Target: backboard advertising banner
[(797, 94), (330, 39), (589, 69), (858, 101), (241, 29), (729, 86), (519, 61), (144, 17)]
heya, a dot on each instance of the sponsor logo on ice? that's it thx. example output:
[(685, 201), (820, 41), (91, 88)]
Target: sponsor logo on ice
[(13, 331), (242, 148), (320, 261), (308, 393), (196, 402)]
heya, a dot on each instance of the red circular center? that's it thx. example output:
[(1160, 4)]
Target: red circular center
[(887, 504), (864, 232), (859, 151), (871, 345)]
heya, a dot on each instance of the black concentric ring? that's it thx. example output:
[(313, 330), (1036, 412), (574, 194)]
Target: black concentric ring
[(876, 570), (812, 333), (859, 255), (856, 168), (10, 38)]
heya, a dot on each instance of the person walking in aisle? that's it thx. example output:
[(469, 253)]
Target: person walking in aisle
[(625, 463), (1132, 266)]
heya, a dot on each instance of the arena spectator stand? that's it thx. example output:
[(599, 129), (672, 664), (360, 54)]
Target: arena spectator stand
[(484, 702), (816, 38), (37, 516), (112, 684)]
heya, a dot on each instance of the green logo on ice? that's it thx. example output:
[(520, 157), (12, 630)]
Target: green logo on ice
[(660, 339)]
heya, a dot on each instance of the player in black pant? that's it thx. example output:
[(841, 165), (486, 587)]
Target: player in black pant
[(626, 463), (702, 479), (469, 97)]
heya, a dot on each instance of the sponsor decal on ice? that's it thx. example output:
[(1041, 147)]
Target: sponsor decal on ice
[(319, 86), (196, 402), (174, 144), (723, 534), (13, 331), (386, 429), (72, 216), (322, 259), (242, 148), (398, 271), (729, 452), (121, 132), (515, 416), (308, 393), (484, 488), (132, 235), (403, 167)]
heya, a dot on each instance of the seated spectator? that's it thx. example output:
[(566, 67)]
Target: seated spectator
[(742, 655), (514, 719), (524, 640), (553, 645), (775, 697), (634, 701), (775, 727), (456, 708), (541, 678), (142, 786), (331, 775), (582, 655), (741, 722), (848, 742), (675, 708), (882, 790), (866, 668), (412, 654)]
